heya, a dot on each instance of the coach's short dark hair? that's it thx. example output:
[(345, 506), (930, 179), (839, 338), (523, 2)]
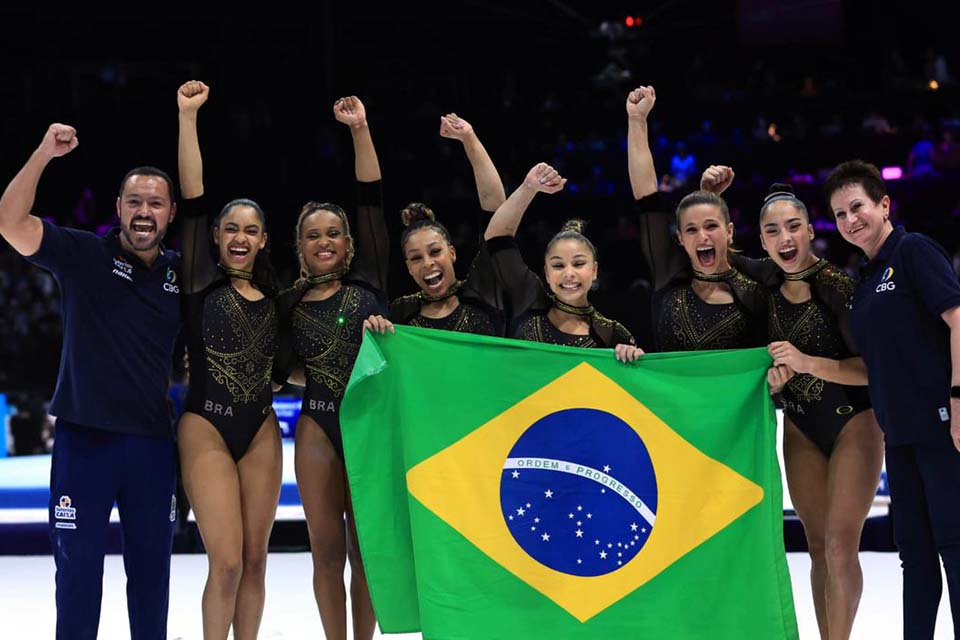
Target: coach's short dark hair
[(150, 171), (856, 172)]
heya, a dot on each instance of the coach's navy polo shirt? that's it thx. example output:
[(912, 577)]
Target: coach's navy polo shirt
[(896, 323), (120, 321)]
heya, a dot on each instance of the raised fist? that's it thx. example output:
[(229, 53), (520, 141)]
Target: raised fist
[(716, 178), (191, 95), (59, 140), (544, 178), (640, 102), (452, 126), (349, 110)]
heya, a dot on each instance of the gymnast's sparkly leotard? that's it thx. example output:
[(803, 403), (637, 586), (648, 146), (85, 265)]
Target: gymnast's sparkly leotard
[(326, 334), (231, 341)]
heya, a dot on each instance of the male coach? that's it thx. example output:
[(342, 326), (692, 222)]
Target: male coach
[(114, 439)]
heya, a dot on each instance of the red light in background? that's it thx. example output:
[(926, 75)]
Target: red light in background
[(638, 21), (629, 21)]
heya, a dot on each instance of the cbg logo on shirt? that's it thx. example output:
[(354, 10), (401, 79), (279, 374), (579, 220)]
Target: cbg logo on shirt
[(170, 285), (886, 282)]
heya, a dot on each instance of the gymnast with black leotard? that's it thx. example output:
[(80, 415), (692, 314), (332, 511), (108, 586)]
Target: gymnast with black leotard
[(228, 437)]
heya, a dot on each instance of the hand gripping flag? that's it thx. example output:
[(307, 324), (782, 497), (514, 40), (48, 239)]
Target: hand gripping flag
[(505, 489)]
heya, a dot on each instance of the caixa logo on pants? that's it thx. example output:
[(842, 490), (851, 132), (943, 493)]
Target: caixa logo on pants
[(65, 511), (170, 284), (886, 282)]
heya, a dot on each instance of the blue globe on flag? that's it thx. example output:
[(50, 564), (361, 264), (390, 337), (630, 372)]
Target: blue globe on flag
[(579, 493)]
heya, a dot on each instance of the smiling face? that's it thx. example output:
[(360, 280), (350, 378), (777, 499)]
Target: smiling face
[(571, 270), (240, 236), (786, 234), (430, 259), (860, 220), (706, 237), (145, 208), (323, 243)]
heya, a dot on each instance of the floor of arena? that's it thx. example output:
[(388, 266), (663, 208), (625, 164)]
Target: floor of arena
[(26, 590)]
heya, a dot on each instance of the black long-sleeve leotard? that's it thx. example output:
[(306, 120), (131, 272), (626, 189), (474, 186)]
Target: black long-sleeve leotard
[(480, 308), (231, 341), (528, 302), (326, 334), (817, 327), (682, 321)]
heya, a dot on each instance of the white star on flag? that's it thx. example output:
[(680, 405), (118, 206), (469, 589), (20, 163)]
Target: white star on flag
[(633, 527), (579, 533), (606, 468), (520, 511), (546, 537), (537, 520), (548, 493), (589, 515), (603, 555), (515, 474)]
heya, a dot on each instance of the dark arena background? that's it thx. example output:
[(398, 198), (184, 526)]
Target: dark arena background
[(780, 91)]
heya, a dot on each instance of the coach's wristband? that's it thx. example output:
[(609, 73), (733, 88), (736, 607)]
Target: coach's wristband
[(955, 391)]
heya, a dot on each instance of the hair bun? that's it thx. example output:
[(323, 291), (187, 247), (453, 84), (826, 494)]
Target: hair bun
[(416, 211), (779, 189), (575, 225)]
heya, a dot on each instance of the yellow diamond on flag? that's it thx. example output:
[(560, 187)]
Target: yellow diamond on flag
[(696, 496)]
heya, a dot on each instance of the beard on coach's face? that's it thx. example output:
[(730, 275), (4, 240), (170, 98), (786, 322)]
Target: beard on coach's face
[(145, 210)]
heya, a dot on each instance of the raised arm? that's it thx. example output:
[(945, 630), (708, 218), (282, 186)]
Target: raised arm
[(190, 97), (199, 269), (507, 218), (717, 178), (489, 185), (351, 112), (22, 230), (372, 256), (658, 243), (521, 287), (643, 175)]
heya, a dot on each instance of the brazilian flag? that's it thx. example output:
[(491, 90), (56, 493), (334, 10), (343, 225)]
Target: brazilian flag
[(508, 489)]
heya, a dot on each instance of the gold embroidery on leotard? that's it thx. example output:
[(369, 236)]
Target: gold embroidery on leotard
[(331, 339), (243, 373), (696, 332)]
